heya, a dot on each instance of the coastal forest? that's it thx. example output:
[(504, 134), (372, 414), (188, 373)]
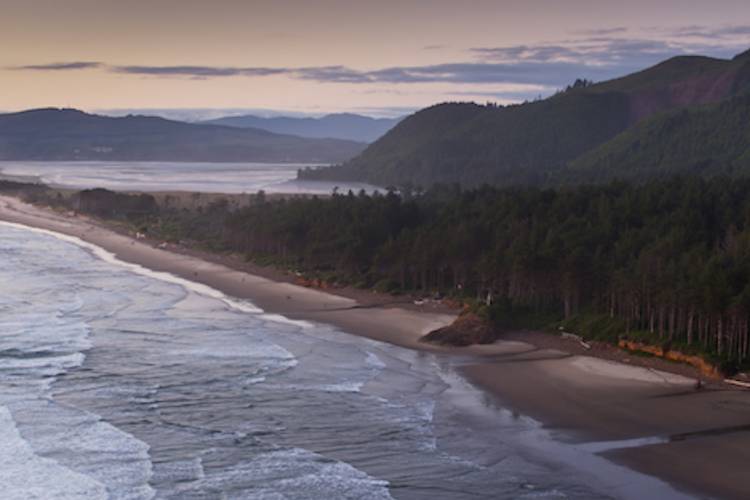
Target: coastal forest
[(618, 210), (667, 263)]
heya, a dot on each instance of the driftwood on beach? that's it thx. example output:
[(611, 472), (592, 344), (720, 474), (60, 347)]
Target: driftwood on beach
[(577, 338), (738, 383)]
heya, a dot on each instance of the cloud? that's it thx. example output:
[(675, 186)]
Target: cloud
[(605, 54), (335, 74), (197, 71), (707, 32), (332, 74), (540, 73), (547, 66), (603, 31), (535, 53), (735, 31), (597, 54), (601, 51), (60, 66)]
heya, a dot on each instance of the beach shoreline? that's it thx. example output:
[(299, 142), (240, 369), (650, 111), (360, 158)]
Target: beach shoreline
[(398, 325), (581, 397)]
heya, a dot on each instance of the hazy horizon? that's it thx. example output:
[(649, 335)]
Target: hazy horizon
[(201, 114)]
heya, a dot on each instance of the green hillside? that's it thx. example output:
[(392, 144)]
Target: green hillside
[(708, 141), (532, 143)]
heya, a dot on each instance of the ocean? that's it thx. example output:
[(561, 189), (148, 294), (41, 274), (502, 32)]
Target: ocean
[(119, 382), (172, 176)]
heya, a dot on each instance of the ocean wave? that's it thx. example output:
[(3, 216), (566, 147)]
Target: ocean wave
[(292, 473), (199, 288), (25, 475), (374, 361), (62, 452)]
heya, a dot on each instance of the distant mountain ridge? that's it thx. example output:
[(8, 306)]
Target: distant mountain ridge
[(69, 135), (347, 126), (540, 142)]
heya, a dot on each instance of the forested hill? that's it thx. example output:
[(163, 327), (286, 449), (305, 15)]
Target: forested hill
[(67, 134), (707, 141), (532, 143)]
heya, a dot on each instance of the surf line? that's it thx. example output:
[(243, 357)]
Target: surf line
[(199, 288)]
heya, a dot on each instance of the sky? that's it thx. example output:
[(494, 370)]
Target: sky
[(381, 58)]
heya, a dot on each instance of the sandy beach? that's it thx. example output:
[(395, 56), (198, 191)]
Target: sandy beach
[(652, 421), (400, 326)]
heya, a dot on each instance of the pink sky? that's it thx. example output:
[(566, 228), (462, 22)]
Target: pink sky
[(322, 56)]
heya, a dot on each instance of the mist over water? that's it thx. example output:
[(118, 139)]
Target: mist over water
[(172, 176), (116, 384)]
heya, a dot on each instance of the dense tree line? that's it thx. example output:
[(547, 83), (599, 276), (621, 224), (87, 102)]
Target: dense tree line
[(105, 203), (670, 258), (669, 261)]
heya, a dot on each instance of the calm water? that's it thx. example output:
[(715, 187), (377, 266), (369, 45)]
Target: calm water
[(116, 382), (166, 176)]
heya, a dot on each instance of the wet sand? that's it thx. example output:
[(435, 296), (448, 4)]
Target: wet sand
[(703, 444), (703, 436)]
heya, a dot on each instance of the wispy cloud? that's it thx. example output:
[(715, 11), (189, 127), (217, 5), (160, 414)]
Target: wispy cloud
[(533, 72), (612, 52), (603, 31), (544, 73), (526, 53), (547, 73), (596, 54), (332, 74), (605, 50), (59, 66), (197, 71), (720, 33)]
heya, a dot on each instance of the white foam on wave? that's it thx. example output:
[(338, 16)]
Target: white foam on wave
[(240, 305), (25, 475), (279, 358), (46, 365), (300, 472), (109, 257), (374, 361), (190, 469), (426, 410), (74, 306), (292, 473), (77, 454), (350, 386), (278, 318), (83, 442), (37, 347)]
